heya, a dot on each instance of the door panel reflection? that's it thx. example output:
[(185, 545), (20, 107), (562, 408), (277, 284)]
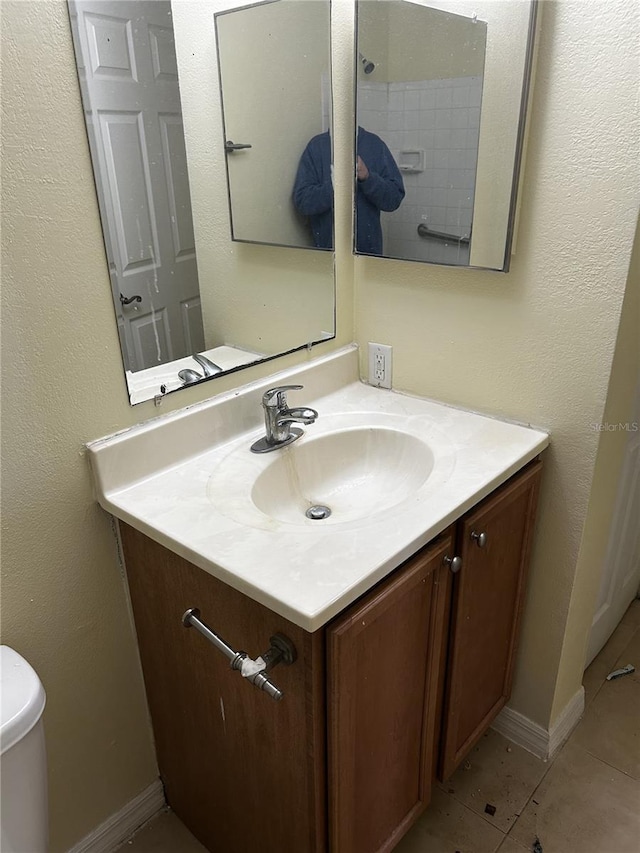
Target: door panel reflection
[(276, 95)]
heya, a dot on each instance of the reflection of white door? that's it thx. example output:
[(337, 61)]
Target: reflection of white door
[(274, 59), (132, 106), (621, 574)]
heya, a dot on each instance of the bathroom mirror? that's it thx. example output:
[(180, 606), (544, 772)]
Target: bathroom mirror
[(274, 63), (441, 93), (148, 80)]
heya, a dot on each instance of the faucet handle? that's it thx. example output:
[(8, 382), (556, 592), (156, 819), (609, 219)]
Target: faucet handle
[(279, 393)]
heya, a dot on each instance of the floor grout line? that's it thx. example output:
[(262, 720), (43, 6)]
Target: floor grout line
[(549, 765), (479, 814), (607, 763)]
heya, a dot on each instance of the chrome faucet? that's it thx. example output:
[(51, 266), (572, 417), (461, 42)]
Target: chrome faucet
[(278, 418)]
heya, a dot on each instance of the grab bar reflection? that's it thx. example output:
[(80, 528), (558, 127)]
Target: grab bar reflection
[(424, 231)]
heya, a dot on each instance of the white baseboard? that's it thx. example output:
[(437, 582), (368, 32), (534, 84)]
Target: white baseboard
[(565, 722), (541, 742), (522, 731), (120, 826)]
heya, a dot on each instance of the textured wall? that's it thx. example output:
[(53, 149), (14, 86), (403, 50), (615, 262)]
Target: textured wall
[(63, 599), (536, 345), (619, 409)]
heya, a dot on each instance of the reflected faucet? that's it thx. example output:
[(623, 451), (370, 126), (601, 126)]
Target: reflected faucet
[(209, 368), (278, 418), (188, 376)]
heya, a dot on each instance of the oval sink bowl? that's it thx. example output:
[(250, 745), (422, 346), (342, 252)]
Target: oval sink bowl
[(357, 465), (356, 473)]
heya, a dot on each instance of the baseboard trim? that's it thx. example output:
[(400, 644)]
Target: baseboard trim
[(522, 731), (121, 825), (541, 742), (566, 721)]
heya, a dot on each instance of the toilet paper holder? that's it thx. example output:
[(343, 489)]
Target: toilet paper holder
[(281, 650)]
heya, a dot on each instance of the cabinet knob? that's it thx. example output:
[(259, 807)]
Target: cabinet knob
[(479, 538), (454, 563)]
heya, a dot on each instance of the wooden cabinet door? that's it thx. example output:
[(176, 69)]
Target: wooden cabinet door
[(244, 773), (487, 603), (384, 656)]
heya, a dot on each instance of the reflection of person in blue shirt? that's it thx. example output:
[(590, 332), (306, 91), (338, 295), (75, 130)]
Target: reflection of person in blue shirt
[(380, 187)]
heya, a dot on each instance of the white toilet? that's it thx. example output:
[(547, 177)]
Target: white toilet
[(23, 762)]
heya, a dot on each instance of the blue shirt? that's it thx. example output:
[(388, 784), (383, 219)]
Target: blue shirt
[(382, 190)]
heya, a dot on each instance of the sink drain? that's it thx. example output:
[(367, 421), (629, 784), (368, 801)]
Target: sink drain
[(318, 512)]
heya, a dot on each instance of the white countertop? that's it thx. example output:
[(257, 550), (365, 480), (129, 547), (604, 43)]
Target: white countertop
[(163, 478)]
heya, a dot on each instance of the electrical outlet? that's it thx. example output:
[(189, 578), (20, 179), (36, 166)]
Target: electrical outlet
[(380, 365)]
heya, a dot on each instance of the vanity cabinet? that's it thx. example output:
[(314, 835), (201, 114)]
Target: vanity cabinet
[(398, 686), (383, 660), (494, 541), (244, 773)]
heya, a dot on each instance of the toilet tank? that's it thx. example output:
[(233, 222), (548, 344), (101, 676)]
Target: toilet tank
[(23, 766)]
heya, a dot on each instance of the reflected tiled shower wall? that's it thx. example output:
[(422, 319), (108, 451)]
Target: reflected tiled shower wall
[(431, 127)]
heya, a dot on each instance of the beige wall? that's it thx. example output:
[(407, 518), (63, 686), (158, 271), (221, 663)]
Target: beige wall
[(430, 44), (619, 409), (63, 598), (373, 38), (408, 42), (537, 344)]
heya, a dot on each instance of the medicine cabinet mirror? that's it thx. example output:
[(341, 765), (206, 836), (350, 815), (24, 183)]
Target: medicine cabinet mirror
[(148, 74), (441, 94), (274, 61)]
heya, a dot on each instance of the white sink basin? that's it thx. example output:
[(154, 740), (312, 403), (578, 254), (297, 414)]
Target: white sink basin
[(356, 473), (359, 466)]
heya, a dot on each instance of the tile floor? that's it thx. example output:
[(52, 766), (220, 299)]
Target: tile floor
[(587, 800)]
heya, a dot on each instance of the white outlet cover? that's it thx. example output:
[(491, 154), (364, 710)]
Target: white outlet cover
[(380, 374)]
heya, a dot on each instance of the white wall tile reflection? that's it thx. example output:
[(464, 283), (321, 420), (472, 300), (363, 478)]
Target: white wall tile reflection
[(441, 118)]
